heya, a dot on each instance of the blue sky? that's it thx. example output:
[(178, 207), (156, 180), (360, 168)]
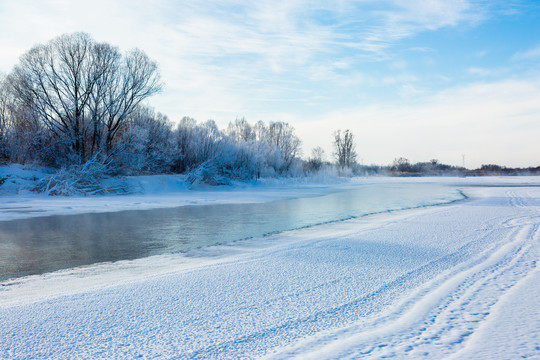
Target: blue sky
[(418, 79)]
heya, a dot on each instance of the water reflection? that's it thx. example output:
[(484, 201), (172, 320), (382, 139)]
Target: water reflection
[(39, 245)]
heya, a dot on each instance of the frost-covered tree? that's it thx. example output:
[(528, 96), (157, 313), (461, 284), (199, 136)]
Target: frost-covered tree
[(242, 151), (209, 144), (22, 137), (146, 145), (4, 117), (345, 148), (282, 135), (260, 132), (240, 131), (82, 91), (402, 165), (196, 143), (184, 137)]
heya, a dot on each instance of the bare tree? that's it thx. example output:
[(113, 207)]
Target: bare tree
[(82, 90), (318, 154), (402, 165), (136, 80), (345, 148)]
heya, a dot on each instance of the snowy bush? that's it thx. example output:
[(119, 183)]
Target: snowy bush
[(207, 174), (82, 179)]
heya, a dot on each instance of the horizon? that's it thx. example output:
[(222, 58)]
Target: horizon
[(410, 79)]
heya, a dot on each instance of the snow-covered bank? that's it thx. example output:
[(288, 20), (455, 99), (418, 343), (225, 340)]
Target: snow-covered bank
[(424, 283), (165, 191), (148, 192)]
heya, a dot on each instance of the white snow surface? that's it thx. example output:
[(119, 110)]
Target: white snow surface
[(17, 201), (457, 281)]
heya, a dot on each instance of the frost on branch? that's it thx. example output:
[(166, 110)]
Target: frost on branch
[(82, 179), (206, 174)]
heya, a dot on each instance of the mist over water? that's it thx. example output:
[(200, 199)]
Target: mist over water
[(40, 245)]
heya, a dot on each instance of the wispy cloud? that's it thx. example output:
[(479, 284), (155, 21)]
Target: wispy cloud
[(530, 54), (279, 34)]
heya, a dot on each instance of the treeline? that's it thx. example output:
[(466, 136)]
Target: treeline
[(146, 142), (77, 104), (497, 170), (403, 167)]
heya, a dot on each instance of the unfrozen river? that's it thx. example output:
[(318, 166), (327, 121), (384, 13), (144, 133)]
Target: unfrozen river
[(40, 245)]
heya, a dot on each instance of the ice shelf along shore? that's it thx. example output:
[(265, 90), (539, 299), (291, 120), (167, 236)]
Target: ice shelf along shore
[(457, 281)]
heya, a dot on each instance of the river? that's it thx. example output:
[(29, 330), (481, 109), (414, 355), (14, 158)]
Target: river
[(50, 243)]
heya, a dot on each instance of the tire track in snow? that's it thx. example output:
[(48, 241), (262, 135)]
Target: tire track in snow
[(447, 312), (343, 313)]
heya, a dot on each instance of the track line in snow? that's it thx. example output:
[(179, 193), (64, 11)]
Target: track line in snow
[(450, 312)]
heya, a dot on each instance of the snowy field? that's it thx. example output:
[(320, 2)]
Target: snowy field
[(455, 281)]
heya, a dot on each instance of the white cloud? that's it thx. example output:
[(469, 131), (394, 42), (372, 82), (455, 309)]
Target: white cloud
[(279, 34), (398, 19), (479, 71), (531, 54)]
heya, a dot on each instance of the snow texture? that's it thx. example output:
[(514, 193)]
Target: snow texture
[(456, 281)]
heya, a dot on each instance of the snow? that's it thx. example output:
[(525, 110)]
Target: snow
[(512, 330), (454, 281), (147, 192), (165, 191)]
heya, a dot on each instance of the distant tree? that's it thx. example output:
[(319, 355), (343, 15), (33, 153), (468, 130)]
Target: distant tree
[(345, 148), (402, 165), (83, 91), (316, 160), (492, 168)]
